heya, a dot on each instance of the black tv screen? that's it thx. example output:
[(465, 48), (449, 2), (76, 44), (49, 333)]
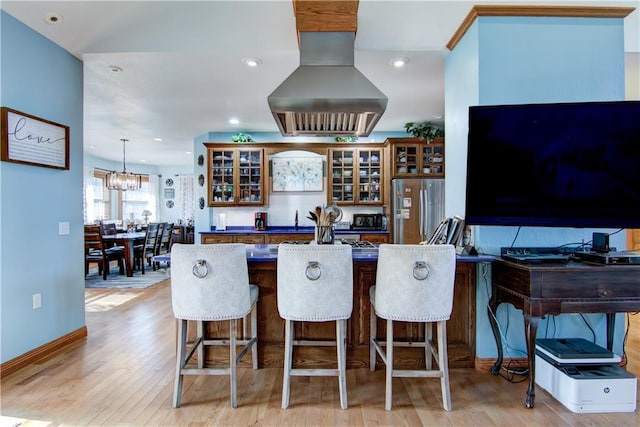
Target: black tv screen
[(554, 165)]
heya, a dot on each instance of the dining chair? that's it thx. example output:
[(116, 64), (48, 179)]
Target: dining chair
[(211, 283), (314, 284), (414, 283), (108, 229), (165, 242), (95, 251), (145, 251), (158, 242)]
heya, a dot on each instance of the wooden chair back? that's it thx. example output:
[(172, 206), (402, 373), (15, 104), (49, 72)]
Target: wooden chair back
[(93, 239), (95, 251), (165, 239), (109, 228)]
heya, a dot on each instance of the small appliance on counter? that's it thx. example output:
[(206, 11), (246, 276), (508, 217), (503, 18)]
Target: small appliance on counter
[(343, 225), (368, 222), (260, 221), (222, 222)]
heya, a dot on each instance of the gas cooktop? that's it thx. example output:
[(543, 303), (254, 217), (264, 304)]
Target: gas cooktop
[(357, 246), (352, 243)]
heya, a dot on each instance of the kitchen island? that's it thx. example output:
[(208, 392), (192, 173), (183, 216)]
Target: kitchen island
[(262, 263)]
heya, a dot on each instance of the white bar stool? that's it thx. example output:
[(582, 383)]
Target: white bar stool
[(315, 284), (211, 283), (414, 283)]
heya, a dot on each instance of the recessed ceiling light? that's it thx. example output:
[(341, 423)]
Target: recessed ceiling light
[(115, 69), (53, 18), (188, 152), (157, 139), (399, 62), (234, 121), (251, 62), (143, 161)]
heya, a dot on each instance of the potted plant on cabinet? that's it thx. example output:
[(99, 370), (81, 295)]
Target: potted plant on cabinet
[(241, 137), (426, 130)]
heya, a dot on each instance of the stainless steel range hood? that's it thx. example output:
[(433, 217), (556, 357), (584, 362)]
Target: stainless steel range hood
[(326, 95)]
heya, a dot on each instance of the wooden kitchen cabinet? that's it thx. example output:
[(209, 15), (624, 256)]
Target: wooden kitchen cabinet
[(415, 157), (375, 238), (279, 238), (247, 238), (236, 176), (356, 176)]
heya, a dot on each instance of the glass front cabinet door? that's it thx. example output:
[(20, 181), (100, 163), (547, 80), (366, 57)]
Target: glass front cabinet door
[(414, 157), (236, 177), (355, 176)]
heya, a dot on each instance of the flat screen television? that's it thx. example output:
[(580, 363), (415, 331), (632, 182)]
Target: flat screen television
[(554, 165)]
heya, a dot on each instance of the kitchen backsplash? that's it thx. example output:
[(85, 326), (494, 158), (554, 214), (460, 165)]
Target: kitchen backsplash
[(282, 210)]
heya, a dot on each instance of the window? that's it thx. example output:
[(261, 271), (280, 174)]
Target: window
[(134, 202), (98, 198), (101, 203)]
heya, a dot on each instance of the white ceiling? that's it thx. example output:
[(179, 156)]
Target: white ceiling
[(183, 76)]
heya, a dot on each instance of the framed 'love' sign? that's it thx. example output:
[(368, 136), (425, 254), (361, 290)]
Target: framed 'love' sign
[(33, 141)]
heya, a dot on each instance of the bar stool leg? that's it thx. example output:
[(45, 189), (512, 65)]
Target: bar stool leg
[(389, 363), (428, 340), (233, 323), (288, 353), (341, 337), (443, 364), (200, 350), (373, 328), (180, 358), (254, 333)]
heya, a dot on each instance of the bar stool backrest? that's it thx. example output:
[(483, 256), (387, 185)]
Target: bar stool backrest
[(210, 282), (415, 282), (315, 282)]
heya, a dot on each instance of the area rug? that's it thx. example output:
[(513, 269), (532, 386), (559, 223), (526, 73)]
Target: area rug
[(117, 281)]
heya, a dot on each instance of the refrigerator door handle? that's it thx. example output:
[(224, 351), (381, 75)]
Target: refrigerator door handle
[(422, 213)]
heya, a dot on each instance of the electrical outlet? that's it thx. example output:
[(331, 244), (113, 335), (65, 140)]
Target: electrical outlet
[(37, 300)]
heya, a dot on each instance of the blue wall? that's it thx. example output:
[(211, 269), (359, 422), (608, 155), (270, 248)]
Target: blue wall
[(515, 60), (40, 78)]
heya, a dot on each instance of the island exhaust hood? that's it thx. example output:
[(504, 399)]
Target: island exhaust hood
[(326, 95)]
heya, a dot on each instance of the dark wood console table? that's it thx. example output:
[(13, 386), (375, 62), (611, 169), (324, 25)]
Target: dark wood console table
[(544, 289)]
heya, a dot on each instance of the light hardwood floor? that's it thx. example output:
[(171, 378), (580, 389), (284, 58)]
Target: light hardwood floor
[(122, 374)]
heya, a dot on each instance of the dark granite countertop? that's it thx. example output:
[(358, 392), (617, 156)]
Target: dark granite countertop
[(284, 230), (269, 252)]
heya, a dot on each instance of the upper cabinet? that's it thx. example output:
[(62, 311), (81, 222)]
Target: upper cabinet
[(236, 176), (414, 157), (355, 176)]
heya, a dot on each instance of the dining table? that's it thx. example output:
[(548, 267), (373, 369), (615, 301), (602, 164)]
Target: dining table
[(128, 241)]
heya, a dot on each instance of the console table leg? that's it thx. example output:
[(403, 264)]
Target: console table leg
[(492, 310), (531, 329)]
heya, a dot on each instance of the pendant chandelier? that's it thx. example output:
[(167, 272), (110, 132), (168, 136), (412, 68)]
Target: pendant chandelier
[(124, 181)]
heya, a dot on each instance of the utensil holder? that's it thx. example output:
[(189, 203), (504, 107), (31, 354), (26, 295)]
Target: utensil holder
[(325, 234)]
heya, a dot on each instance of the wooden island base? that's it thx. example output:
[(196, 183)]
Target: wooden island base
[(460, 328)]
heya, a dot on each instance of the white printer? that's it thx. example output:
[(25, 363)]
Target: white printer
[(583, 376)]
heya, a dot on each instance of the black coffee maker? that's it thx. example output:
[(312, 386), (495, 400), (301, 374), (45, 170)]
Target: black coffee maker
[(260, 221)]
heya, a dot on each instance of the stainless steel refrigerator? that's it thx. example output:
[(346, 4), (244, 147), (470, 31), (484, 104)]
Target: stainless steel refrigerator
[(418, 208)]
